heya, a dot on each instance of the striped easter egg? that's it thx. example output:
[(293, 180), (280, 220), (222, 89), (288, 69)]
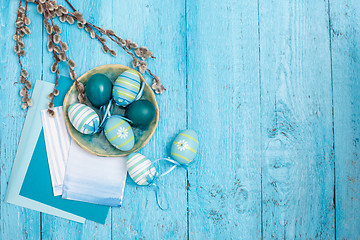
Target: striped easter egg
[(126, 88), (119, 133), (140, 169), (184, 147), (83, 118)]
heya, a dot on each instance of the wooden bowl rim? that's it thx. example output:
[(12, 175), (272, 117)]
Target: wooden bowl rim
[(152, 96)]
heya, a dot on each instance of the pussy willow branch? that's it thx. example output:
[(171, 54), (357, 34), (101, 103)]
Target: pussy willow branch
[(26, 5), (70, 5), (56, 81), (109, 36), (62, 50), (102, 31), (112, 36), (57, 74), (49, 10), (16, 32), (21, 31), (117, 40)]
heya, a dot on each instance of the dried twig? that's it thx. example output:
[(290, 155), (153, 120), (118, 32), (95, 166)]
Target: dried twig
[(51, 10), (55, 31), (142, 53), (20, 32)]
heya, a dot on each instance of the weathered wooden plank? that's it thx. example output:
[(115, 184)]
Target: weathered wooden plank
[(224, 108), (159, 25), (296, 119), (87, 54), (345, 40), (224, 201), (15, 222), (97, 12)]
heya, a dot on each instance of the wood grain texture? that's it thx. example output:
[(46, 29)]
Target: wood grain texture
[(345, 40), (272, 88), (15, 222), (224, 108), (87, 54), (159, 25), (296, 119)]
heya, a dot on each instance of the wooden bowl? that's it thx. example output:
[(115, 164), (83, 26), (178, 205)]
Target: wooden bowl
[(98, 144)]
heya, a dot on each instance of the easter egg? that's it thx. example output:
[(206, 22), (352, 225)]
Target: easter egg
[(184, 147), (119, 133), (140, 169), (98, 89), (126, 88), (83, 118), (140, 112)]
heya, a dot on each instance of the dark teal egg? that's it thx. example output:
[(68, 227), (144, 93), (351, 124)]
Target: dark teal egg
[(140, 112), (98, 89)]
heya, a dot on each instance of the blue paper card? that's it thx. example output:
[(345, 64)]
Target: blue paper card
[(37, 186), (37, 183), (29, 135)]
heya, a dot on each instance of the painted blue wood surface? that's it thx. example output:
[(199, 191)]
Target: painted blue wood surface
[(224, 107), (345, 39), (272, 88), (16, 222), (296, 120)]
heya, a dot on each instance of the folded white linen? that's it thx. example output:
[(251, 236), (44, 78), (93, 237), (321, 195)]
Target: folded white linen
[(94, 179), (57, 141)]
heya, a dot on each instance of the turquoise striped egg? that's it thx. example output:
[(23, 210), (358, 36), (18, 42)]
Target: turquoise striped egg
[(184, 147), (83, 118), (119, 133), (126, 88), (140, 169)]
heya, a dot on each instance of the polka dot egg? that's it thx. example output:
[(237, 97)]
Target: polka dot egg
[(126, 88), (83, 118), (119, 133), (140, 169), (184, 147)]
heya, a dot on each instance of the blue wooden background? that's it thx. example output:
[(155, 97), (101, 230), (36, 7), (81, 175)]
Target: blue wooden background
[(272, 88)]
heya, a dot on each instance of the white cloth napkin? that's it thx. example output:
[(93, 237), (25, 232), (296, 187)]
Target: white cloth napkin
[(77, 174), (94, 179), (57, 141)]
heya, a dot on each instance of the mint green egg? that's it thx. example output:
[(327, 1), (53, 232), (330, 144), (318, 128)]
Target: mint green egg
[(119, 133), (185, 146)]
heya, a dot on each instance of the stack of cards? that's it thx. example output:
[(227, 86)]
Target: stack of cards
[(50, 170)]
